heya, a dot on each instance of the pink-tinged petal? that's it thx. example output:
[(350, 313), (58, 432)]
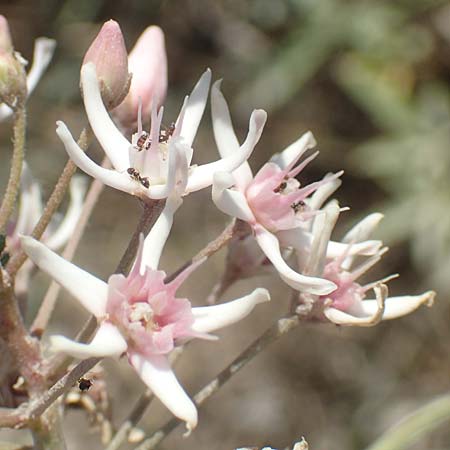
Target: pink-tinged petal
[(230, 201), (42, 55), (399, 306), (211, 318), (117, 180), (195, 108), (87, 289), (156, 239), (355, 316), (107, 342), (224, 135), (183, 275), (111, 139), (62, 234), (293, 152), (157, 374), (270, 246), (202, 176)]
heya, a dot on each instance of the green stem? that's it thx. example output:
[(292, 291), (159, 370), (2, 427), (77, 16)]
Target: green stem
[(412, 427), (13, 186)]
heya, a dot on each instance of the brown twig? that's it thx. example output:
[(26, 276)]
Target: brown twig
[(12, 189), (274, 332), (52, 205)]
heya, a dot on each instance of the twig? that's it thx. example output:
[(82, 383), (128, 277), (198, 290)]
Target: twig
[(52, 205), (40, 404), (12, 189), (274, 332), (422, 421), (214, 246), (48, 304)]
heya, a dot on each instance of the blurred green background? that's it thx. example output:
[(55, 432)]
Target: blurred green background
[(371, 80)]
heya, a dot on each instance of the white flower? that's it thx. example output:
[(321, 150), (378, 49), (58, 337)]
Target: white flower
[(151, 164)]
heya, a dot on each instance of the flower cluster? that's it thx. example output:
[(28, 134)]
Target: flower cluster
[(287, 225)]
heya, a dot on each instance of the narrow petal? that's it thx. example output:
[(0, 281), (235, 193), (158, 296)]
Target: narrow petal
[(65, 229), (111, 139), (120, 181), (202, 176), (156, 239), (87, 289), (211, 318), (363, 229), (230, 201), (400, 306), (224, 135), (270, 246), (107, 342), (157, 374), (43, 54), (293, 152), (351, 319), (195, 108), (322, 194)]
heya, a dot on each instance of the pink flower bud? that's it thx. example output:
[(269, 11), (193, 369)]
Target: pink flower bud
[(5, 35), (109, 55), (148, 65)]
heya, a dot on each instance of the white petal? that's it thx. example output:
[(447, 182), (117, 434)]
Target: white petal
[(224, 135), (270, 246), (87, 289), (230, 201), (111, 139), (5, 112), (400, 306), (195, 108), (43, 54), (30, 207), (157, 374), (117, 180), (363, 229), (211, 318), (62, 234), (202, 176), (156, 239), (321, 195), (295, 150), (107, 342), (177, 172)]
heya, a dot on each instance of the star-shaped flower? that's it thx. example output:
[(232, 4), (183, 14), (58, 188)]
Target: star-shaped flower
[(140, 315)]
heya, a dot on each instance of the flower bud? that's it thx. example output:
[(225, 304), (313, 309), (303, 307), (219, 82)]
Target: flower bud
[(148, 65), (5, 36), (109, 55), (13, 84)]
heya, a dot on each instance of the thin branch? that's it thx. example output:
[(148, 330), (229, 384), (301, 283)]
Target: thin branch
[(273, 333), (12, 189), (52, 205), (48, 304), (411, 428), (214, 246)]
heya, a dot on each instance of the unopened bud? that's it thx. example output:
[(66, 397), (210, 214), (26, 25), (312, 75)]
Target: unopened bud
[(13, 81), (5, 36), (148, 64), (109, 55)]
